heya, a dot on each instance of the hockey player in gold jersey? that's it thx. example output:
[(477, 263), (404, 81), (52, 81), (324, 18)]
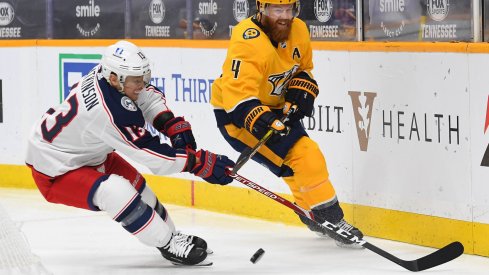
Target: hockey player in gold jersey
[(267, 70)]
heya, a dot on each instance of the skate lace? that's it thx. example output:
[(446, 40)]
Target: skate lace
[(189, 238), (179, 245), (344, 225)]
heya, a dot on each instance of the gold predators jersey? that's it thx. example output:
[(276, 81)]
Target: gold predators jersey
[(257, 69)]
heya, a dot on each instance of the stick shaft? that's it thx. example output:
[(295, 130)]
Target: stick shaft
[(440, 256), (248, 153)]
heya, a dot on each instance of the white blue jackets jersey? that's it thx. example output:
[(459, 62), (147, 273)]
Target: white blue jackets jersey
[(96, 119)]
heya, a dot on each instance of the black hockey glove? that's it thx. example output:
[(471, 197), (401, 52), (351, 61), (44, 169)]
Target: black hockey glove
[(180, 133), (302, 91), (177, 129), (260, 119), (209, 166)]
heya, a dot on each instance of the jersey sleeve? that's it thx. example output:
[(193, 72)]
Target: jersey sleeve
[(242, 75), (131, 139), (152, 102)]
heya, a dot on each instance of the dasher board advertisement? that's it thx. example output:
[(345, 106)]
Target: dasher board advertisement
[(22, 19)]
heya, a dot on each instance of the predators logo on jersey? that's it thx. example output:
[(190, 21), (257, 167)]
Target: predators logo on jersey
[(257, 68), (279, 81), (251, 33)]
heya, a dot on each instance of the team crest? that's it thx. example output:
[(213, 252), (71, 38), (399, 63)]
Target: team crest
[(251, 33), (279, 81), (128, 104)]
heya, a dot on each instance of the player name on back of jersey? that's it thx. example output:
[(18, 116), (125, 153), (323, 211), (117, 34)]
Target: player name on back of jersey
[(88, 93)]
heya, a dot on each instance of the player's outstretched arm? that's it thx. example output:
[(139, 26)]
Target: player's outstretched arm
[(209, 166), (152, 102), (177, 129)]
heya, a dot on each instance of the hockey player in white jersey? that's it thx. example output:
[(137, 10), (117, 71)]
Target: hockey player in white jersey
[(72, 152)]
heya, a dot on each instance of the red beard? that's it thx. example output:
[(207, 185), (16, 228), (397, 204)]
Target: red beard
[(278, 33)]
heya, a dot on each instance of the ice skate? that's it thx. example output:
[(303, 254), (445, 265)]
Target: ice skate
[(342, 242), (181, 251), (314, 227), (197, 241)]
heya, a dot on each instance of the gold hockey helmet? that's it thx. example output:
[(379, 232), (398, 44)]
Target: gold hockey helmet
[(261, 4)]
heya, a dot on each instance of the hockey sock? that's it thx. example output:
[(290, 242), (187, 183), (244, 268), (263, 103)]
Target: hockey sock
[(121, 201)]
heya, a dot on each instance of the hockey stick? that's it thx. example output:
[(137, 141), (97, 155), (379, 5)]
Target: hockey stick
[(441, 256), (248, 153)]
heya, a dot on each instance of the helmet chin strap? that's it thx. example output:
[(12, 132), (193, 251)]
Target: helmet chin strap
[(259, 16), (121, 85)]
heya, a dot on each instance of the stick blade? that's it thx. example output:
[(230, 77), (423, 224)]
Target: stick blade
[(441, 256)]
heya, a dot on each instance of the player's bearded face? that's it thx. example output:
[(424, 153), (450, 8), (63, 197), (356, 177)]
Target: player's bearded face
[(278, 21)]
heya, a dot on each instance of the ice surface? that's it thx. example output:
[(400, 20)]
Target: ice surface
[(74, 241)]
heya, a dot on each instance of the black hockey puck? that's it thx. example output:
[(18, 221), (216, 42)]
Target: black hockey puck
[(257, 256)]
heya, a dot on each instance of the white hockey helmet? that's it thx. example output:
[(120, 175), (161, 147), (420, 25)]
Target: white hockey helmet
[(125, 59)]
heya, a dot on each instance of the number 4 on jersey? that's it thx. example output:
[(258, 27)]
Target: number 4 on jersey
[(235, 67)]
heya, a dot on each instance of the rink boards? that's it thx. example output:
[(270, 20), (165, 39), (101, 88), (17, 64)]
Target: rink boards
[(403, 127)]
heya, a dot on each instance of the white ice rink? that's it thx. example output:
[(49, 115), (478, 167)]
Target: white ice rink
[(74, 241)]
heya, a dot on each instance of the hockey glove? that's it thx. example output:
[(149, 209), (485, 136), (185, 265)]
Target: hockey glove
[(260, 119), (209, 166), (180, 133), (302, 91)]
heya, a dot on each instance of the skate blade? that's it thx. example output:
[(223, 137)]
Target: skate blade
[(203, 263), (349, 246), (323, 236)]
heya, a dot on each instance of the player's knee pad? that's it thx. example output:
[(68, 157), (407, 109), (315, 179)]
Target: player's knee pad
[(306, 157), (114, 194), (123, 203), (310, 183), (149, 196)]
